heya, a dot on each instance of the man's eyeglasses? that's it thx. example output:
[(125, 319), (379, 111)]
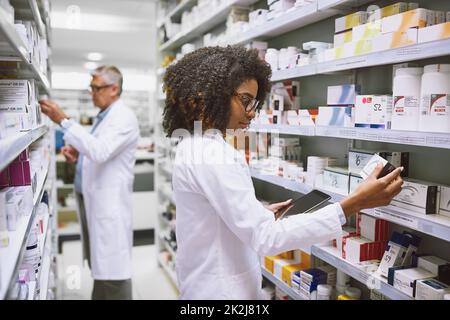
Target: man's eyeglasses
[(250, 104), (94, 88)]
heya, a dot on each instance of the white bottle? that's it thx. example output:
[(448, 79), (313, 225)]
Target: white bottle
[(405, 115), (272, 58), (435, 99), (324, 292)]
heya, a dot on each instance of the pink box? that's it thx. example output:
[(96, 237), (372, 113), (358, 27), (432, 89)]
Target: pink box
[(20, 174), (4, 178)]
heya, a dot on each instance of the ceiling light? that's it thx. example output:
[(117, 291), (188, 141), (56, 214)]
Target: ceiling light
[(95, 56)]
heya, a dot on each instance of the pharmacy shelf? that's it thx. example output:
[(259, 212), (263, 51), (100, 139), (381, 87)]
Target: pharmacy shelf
[(44, 234), (416, 138), (331, 255), (283, 129), (435, 225), (404, 54), (32, 285), (342, 4), (413, 138), (169, 272), (293, 73), (45, 272), (282, 182), (177, 11), (28, 9), (281, 285), (167, 246), (294, 19), (11, 256), (209, 22), (11, 147), (19, 51)]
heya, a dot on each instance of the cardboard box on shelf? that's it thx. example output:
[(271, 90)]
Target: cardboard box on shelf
[(394, 40), (418, 18), (433, 33), (367, 31), (349, 21), (373, 111), (343, 37), (418, 196)]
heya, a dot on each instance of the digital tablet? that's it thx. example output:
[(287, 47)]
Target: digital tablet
[(304, 204)]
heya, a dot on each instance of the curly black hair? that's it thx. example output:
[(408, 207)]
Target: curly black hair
[(199, 87)]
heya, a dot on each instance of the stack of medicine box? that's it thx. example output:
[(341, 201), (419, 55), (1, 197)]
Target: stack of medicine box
[(309, 279), (370, 242), (389, 27), (19, 110), (410, 278), (284, 96), (399, 251), (340, 100), (285, 265), (18, 172)]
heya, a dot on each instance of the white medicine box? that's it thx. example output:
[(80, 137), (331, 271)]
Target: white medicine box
[(373, 111)]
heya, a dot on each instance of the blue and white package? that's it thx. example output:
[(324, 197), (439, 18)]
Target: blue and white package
[(335, 116), (343, 95)]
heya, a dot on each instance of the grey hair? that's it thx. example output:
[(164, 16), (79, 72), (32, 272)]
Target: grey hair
[(111, 75)]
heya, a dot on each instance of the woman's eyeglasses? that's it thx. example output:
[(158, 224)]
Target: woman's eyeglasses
[(250, 104)]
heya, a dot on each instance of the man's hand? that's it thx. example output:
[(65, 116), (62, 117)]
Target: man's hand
[(374, 192), (279, 208), (52, 110), (70, 153)]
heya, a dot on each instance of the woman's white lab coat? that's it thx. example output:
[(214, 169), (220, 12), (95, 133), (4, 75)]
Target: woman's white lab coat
[(107, 182), (223, 230)]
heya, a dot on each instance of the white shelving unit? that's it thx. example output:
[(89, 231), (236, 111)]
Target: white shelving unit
[(419, 51), (331, 256), (284, 129), (289, 21), (434, 225), (177, 11), (412, 138), (10, 147), (281, 285), (209, 22), (18, 52), (11, 256)]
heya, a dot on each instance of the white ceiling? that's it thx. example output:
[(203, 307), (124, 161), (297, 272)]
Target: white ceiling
[(122, 30)]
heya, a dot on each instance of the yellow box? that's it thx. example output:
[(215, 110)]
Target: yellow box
[(395, 40), (436, 32), (306, 259), (343, 37), (269, 262), (289, 270), (350, 21), (279, 265), (354, 48), (367, 31), (287, 255), (387, 11), (410, 19)]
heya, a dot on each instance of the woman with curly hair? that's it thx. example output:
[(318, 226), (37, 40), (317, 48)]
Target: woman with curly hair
[(222, 229)]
